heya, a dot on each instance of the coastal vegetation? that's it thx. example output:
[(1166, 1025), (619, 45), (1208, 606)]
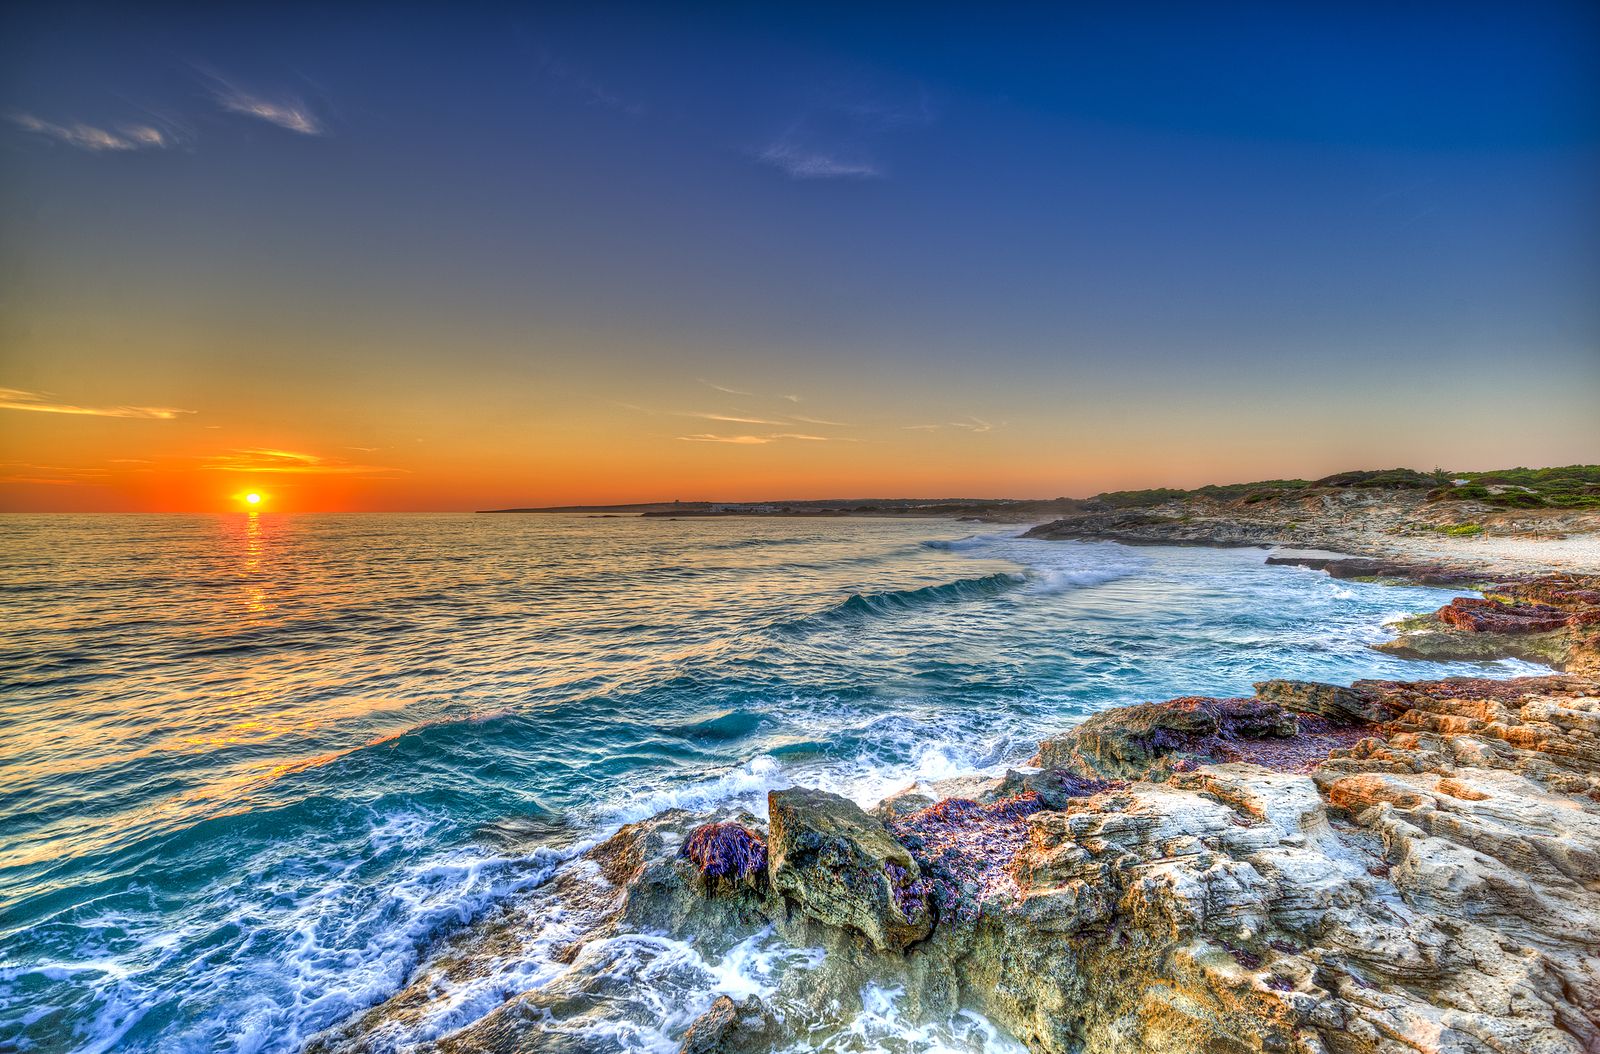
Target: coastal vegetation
[(1566, 487)]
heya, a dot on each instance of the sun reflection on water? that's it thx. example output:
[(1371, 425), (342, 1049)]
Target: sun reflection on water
[(255, 591)]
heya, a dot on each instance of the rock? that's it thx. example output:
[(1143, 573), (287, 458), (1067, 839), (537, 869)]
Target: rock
[(727, 852), (843, 867), (965, 849), (1147, 740), (1550, 619), (1342, 706), (1394, 570), (746, 1027), (1492, 616), (1426, 885), (1402, 896)]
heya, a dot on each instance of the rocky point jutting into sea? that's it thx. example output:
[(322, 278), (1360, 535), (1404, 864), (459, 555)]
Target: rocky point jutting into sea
[(1389, 866)]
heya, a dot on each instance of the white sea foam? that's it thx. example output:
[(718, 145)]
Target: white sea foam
[(1051, 566)]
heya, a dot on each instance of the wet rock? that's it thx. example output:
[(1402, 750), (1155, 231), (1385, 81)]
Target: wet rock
[(729, 1027), (1151, 739), (1425, 574), (1344, 706), (1429, 885), (842, 867), (1550, 619)]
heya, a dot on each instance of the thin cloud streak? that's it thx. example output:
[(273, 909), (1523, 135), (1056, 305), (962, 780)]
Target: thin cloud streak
[(38, 402), (818, 421), (707, 437), (750, 440), (591, 89), (800, 163), (292, 116), (251, 460), (95, 139), (732, 419), (724, 389), (976, 425)]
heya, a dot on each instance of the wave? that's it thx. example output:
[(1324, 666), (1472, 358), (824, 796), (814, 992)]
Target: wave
[(900, 601), (971, 541), (1059, 581), (345, 926)]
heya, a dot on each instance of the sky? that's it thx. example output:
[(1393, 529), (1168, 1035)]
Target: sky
[(355, 257)]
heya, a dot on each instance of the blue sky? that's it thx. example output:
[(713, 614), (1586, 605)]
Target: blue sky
[(520, 250)]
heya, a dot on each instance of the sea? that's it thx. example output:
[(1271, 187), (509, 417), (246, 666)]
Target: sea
[(255, 767)]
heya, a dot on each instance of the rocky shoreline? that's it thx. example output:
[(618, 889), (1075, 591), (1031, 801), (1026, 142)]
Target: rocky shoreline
[(1388, 867), (1468, 540)]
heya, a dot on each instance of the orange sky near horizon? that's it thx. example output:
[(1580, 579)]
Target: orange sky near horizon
[(469, 444)]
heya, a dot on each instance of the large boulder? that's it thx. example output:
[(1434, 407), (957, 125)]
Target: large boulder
[(844, 868)]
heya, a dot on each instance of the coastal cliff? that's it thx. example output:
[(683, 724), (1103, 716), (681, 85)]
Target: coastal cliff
[(1386, 867)]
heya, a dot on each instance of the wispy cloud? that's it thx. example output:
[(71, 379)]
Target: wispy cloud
[(807, 163), (289, 114), (724, 389), (707, 437), (588, 88), (50, 475), (732, 419), (790, 398), (258, 460), (817, 421), (754, 440), (839, 132), (93, 138), (967, 424), (40, 403)]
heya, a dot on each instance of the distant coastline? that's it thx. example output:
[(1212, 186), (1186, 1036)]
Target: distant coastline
[(1006, 510), (1456, 505)]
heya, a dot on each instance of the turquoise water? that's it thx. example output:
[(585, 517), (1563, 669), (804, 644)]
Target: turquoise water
[(254, 766)]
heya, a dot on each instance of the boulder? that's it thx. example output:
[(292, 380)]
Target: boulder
[(843, 867), (745, 1027)]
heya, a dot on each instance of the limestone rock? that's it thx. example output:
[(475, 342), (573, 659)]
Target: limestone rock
[(745, 1027), (1344, 706), (841, 866), (1138, 741)]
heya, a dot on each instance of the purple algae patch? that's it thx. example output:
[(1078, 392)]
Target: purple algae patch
[(726, 850)]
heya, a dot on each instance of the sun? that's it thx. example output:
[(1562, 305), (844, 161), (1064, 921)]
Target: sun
[(252, 498)]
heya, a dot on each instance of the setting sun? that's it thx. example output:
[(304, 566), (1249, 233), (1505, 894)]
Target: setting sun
[(252, 498)]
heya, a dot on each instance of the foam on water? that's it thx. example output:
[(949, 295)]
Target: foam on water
[(258, 771)]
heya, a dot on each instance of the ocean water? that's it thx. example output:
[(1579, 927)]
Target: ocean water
[(255, 767)]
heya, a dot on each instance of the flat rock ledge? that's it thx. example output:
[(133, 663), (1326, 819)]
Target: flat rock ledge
[(1389, 867), (1549, 619)]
